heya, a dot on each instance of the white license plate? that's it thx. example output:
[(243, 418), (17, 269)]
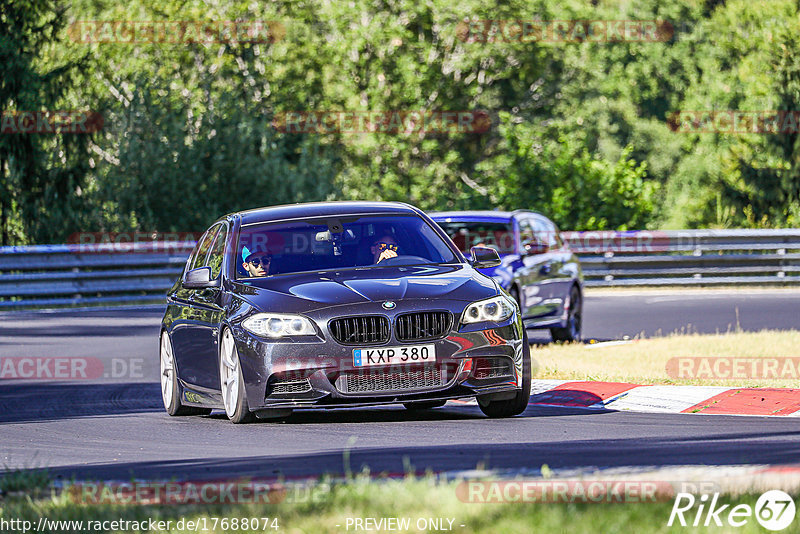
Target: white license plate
[(394, 355)]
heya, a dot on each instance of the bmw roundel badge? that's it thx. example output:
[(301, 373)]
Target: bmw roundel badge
[(389, 305)]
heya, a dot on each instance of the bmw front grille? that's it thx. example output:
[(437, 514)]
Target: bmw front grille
[(423, 326), (366, 329)]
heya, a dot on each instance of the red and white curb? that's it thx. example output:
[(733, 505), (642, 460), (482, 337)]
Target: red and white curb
[(666, 399)]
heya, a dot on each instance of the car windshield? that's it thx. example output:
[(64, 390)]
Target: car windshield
[(466, 234), (341, 243)]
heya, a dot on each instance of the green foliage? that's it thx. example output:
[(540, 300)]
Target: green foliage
[(40, 175), (167, 173), (23, 480), (579, 129), (576, 189), (748, 58)]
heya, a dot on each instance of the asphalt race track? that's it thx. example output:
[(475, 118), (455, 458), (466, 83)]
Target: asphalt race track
[(114, 427)]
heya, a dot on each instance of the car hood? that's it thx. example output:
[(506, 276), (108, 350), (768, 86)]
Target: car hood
[(314, 290)]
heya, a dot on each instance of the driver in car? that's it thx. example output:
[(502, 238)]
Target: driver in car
[(256, 263), (383, 249)]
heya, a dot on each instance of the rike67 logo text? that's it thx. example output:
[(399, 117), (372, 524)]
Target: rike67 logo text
[(774, 510)]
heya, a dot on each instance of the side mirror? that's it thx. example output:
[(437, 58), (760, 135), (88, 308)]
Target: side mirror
[(484, 257), (534, 247), (199, 278)]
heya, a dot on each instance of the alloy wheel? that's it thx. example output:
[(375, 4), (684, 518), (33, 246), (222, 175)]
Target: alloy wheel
[(229, 374), (167, 372)]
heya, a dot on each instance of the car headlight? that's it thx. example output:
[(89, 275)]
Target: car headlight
[(495, 309), (278, 325)]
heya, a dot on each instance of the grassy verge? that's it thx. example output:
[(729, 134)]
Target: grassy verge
[(417, 500), (645, 361)]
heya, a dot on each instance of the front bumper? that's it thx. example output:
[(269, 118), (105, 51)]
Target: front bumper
[(320, 372)]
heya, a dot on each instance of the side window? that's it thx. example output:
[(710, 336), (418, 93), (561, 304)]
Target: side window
[(525, 232), (543, 232), (218, 253), (194, 252), (201, 251), (555, 235)]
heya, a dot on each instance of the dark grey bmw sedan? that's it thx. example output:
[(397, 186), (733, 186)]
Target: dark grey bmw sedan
[(338, 304)]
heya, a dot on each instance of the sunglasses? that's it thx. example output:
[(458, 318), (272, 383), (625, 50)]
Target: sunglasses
[(264, 260), (387, 246)]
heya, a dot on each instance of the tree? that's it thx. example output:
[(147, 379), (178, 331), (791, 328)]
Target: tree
[(40, 174)]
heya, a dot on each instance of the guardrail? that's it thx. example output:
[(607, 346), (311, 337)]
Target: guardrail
[(67, 275), (116, 273), (688, 257)]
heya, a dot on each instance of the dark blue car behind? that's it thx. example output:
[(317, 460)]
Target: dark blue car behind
[(538, 269)]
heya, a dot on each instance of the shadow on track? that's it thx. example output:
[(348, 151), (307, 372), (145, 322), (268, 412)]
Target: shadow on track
[(732, 449), (396, 414), (36, 402), (39, 402)]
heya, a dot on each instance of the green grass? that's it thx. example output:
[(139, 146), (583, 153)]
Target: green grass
[(24, 480), (646, 361), (327, 508)]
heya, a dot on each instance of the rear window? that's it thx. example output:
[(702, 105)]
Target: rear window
[(320, 244), (467, 234)]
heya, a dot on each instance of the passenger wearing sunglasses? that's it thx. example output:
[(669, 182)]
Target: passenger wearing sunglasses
[(256, 263), (384, 248)]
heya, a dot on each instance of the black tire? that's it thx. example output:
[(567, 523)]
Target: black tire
[(573, 330), (426, 405), (517, 405), (171, 393)]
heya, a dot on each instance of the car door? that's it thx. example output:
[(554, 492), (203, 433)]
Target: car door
[(534, 294), (190, 336), (561, 272), (550, 270), (209, 314)]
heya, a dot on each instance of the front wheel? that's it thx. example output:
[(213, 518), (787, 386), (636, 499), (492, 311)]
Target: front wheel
[(234, 397), (516, 405), (170, 390), (572, 331)]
